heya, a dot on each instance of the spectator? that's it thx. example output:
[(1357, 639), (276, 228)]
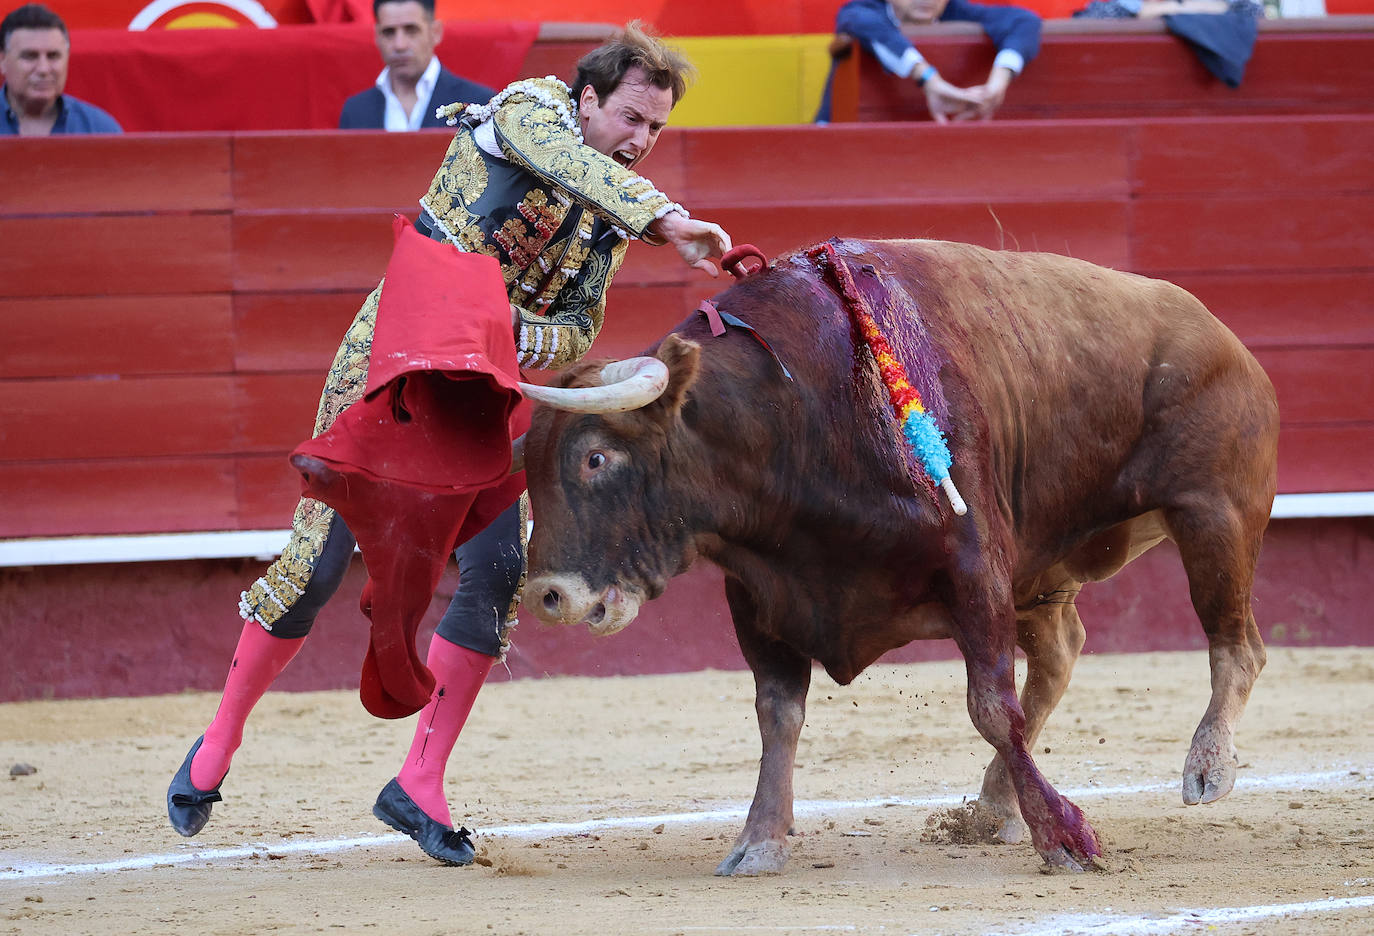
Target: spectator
[(878, 24), (413, 82), (34, 51)]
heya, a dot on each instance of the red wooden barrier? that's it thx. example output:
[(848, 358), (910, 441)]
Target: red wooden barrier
[(1117, 68), (167, 332)]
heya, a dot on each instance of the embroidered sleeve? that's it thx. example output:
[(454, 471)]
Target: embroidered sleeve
[(536, 127), (565, 333)]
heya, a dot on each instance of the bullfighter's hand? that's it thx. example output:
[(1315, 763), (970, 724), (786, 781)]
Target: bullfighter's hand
[(695, 240), (946, 100)]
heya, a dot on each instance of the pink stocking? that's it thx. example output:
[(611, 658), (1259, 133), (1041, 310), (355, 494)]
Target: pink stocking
[(258, 660), (458, 677)]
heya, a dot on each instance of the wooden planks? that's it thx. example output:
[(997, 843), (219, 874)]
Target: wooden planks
[(168, 333), (1116, 69), (90, 174), (108, 335)]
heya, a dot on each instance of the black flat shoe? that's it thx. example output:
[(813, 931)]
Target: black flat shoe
[(188, 807), (395, 807)]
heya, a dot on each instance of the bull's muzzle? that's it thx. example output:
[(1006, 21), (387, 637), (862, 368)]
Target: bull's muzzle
[(561, 599)]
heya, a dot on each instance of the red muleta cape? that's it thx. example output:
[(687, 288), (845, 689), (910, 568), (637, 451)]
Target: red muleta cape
[(421, 463)]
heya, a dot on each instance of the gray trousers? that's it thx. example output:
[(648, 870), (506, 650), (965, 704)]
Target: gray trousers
[(489, 569)]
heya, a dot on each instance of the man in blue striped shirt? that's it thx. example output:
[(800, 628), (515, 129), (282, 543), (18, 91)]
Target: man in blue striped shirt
[(34, 51)]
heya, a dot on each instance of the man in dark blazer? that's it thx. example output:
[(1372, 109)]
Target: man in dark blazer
[(413, 83)]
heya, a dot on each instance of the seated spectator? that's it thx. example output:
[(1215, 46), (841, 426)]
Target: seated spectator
[(413, 83), (34, 51), (878, 24)]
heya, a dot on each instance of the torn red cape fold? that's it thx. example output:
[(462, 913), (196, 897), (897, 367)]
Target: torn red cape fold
[(421, 463)]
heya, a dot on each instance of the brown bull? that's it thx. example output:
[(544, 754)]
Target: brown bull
[(1090, 414)]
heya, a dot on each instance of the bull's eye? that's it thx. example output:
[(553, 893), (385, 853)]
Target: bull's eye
[(595, 460)]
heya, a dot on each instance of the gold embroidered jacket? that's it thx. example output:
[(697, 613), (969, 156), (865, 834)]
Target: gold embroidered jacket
[(554, 212)]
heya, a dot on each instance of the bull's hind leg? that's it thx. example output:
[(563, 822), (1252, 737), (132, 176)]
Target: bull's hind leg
[(1219, 545), (781, 679), (1052, 636)]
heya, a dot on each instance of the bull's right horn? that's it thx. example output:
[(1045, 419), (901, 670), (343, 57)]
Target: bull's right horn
[(625, 385)]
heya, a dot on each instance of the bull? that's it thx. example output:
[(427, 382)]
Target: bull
[(1089, 413)]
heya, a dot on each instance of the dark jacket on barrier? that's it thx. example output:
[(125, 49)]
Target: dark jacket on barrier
[(366, 110)]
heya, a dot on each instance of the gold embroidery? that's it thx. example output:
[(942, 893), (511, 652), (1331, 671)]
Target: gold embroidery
[(272, 595), (460, 181)]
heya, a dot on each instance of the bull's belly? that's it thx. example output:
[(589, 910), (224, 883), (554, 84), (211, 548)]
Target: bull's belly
[(1096, 559), (930, 621)]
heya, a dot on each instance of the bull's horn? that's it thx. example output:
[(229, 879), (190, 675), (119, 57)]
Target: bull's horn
[(517, 454), (625, 385)]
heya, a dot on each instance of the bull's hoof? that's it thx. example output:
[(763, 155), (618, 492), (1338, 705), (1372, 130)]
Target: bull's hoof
[(1071, 845), (754, 860), (1013, 831), (1209, 773), (1008, 826), (1205, 782)]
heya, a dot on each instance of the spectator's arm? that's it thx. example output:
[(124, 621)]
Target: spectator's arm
[(1013, 30), (1016, 34), (872, 24)]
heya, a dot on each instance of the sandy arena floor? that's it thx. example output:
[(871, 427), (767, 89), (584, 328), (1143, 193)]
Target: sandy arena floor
[(652, 774)]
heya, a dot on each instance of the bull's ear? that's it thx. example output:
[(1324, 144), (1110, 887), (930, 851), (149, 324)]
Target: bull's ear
[(683, 358)]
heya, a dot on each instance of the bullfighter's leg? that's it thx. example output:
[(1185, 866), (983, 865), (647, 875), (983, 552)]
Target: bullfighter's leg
[(280, 607), (987, 637), (262, 653), (470, 638), (1052, 636), (1219, 545), (781, 679)]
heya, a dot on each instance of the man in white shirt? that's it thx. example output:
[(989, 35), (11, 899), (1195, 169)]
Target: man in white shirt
[(413, 83)]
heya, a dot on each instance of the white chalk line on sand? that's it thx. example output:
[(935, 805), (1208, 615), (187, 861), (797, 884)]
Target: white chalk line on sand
[(1120, 924), (1353, 775), (1108, 924)]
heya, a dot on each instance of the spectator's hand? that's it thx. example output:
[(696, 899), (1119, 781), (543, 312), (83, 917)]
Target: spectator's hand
[(695, 240), (993, 93), (946, 101)]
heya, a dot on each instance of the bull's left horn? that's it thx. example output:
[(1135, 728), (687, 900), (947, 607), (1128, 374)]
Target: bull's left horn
[(625, 385)]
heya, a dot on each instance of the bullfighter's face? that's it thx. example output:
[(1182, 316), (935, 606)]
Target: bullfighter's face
[(625, 126)]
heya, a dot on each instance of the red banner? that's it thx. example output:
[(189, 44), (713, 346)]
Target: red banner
[(292, 78)]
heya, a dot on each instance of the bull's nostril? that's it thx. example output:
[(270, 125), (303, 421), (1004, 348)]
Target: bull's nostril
[(598, 614), (551, 600)]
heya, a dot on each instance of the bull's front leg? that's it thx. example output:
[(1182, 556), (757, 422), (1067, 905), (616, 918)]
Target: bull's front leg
[(1052, 636), (781, 679), (986, 636)]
